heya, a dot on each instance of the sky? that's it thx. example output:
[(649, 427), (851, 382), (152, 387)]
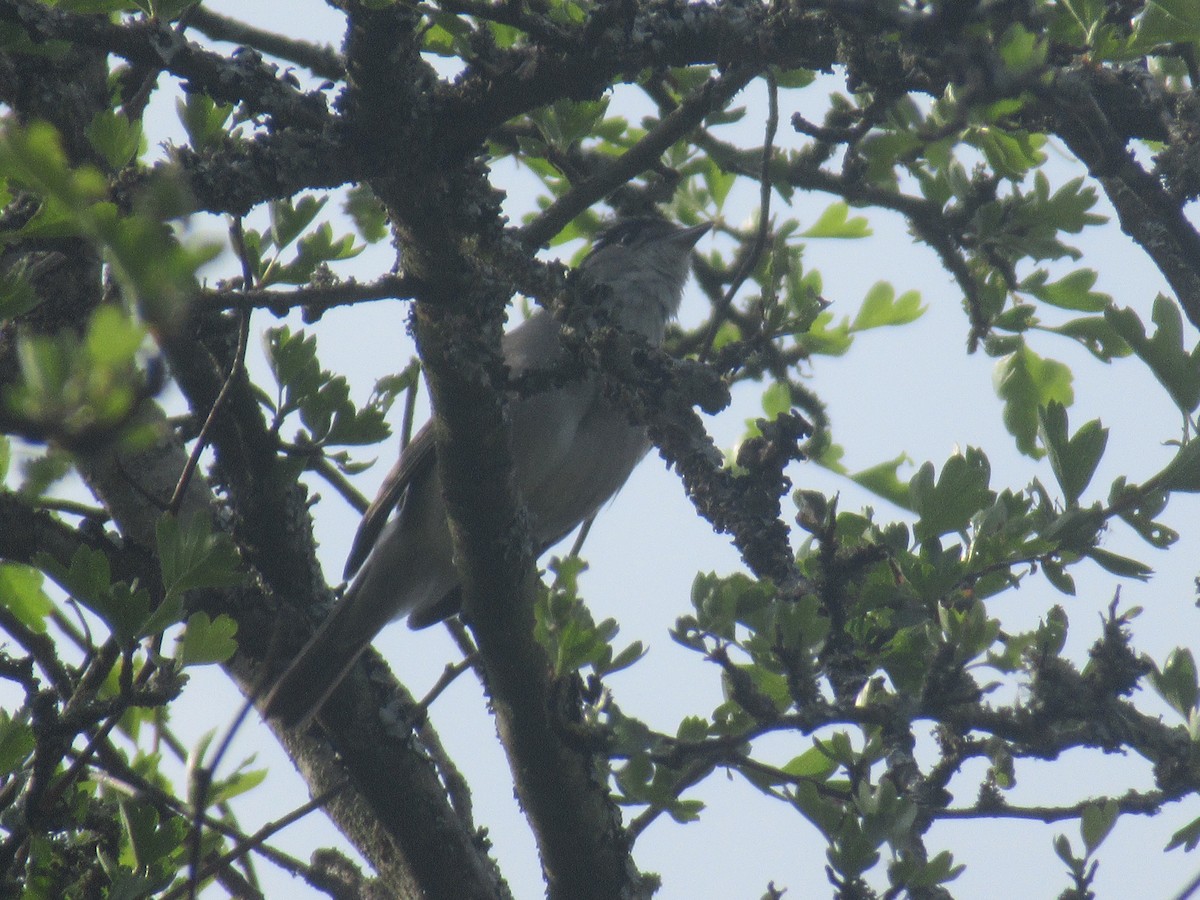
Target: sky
[(920, 394)]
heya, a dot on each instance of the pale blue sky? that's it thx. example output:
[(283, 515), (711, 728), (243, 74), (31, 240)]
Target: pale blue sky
[(912, 391)]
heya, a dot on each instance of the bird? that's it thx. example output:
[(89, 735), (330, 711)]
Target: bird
[(572, 451)]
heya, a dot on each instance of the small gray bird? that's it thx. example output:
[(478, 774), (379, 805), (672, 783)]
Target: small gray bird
[(572, 452)]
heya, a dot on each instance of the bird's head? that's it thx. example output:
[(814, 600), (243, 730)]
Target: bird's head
[(644, 261)]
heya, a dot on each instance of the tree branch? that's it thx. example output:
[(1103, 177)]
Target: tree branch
[(577, 826), (239, 79), (320, 60), (315, 299), (713, 94), (412, 836)]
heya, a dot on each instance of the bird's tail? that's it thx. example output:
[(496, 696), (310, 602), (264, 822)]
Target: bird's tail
[(301, 691)]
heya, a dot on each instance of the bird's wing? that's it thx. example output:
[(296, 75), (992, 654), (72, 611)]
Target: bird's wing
[(414, 460), (419, 454)]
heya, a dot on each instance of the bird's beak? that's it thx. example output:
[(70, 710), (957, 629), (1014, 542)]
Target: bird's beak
[(688, 237)]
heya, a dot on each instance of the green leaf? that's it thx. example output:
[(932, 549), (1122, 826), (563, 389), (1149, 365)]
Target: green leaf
[(1182, 473), (203, 119), (1011, 152), (1062, 846), (970, 631), (777, 399), (816, 805), (1051, 634), (293, 361), (170, 10), (370, 218), (907, 656), (824, 338), (22, 595), (1120, 565), (718, 182), (1139, 507), (242, 780), (1177, 681), (193, 556), (88, 579), (1021, 50), (149, 840), (70, 385), (115, 138), (836, 222), (1084, 23), (289, 218), (959, 493), (1026, 382), (1097, 821), (577, 119), (1187, 837), (154, 271), (1166, 22), (882, 307), (113, 337), (812, 763), (207, 640), (1096, 335), (17, 295), (883, 479), (314, 248), (623, 659), (40, 473), (912, 873), (33, 156), (795, 78), (1074, 291), (1175, 368), (1058, 576), (1073, 460), (17, 741), (1016, 319)]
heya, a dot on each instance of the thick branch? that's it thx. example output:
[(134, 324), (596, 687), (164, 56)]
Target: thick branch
[(320, 60), (1149, 214), (399, 815), (243, 173), (240, 79), (583, 849), (620, 41)]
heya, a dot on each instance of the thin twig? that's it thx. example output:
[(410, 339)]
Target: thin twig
[(312, 297), (202, 441), (130, 782), (40, 647), (327, 470), (204, 777), (256, 840), (1189, 889), (239, 360), (448, 676), (764, 221), (65, 780), (81, 635), (713, 94), (584, 530), (410, 410), (466, 645), (74, 508)]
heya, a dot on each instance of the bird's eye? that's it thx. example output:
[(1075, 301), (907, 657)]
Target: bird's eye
[(628, 237)]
